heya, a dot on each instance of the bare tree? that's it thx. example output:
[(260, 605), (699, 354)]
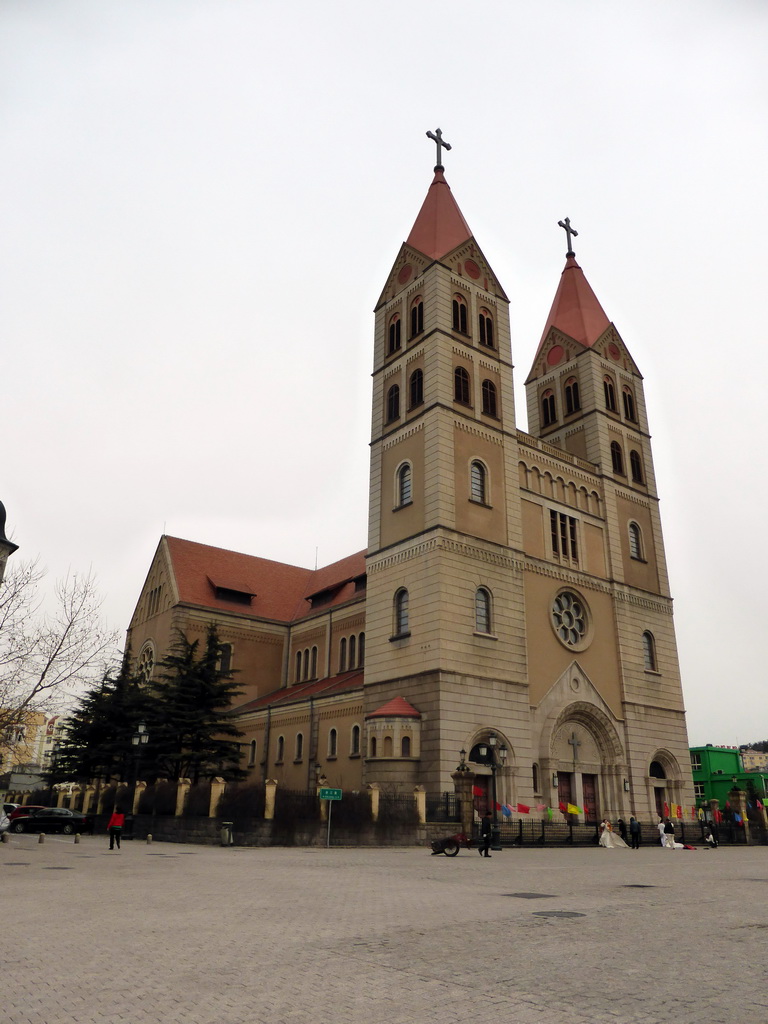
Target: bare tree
[(46, 654)]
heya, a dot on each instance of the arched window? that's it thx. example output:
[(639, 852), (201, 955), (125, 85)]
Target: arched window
[(298, 667), (656, 770), (354, 746), (460, 314), (649, 652), (313, 668), (225, 658), (394, 333), (461, 385), (146, 663), (636, 466), (361, 650), (405, 746), (535, 773), (343, 654), (617, 458), (252, 754), (404, 494), (333, 743), (401, 612), (485, 324), (635, 541), (387, 746), (352, 651), (489, 398), (299, 746), (482, 610), (629, 404), (572, 397), (372, 746), (416, 388), (548, 413), (280, 749), (477, 482), (393, 403), (417, 317), (609, 390), (305, 672)]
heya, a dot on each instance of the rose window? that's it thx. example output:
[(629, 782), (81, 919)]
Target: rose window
[(570, 618)]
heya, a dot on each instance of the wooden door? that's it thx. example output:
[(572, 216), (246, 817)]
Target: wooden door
[(589, 789), (565, 791)]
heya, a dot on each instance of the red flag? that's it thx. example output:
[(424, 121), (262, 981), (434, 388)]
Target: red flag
[(727, 805), (498, 807), (666, 810), (679, 811), (719, 817), (561, 807), (523, 809), (477, 791)]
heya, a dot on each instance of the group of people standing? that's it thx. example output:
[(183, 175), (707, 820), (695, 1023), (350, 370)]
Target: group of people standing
[(611, 841)]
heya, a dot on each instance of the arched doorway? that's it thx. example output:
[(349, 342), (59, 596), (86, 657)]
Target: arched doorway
[(658, 778)]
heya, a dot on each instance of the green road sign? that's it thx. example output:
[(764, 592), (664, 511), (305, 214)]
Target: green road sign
[(330, 794)]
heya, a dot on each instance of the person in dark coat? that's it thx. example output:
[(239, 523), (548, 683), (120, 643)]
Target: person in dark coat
[(485, 832), (634, 832), (622, 829)]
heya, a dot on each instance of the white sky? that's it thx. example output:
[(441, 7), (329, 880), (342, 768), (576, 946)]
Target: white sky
[(200, 202)]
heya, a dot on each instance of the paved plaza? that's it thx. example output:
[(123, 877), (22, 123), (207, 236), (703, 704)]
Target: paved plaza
[(206, 935)]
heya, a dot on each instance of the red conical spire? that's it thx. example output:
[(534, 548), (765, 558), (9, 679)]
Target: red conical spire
[(440, 226), (576, 311)]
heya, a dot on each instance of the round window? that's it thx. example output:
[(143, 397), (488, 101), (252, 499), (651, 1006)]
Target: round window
[(569, 618)]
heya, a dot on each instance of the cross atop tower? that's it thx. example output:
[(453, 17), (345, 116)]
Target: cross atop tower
[(437, 137), (566, 226)]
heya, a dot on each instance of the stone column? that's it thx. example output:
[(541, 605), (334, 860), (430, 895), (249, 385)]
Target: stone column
[(182, 788), (738, 800), (60, 795), (463, 781), (373, 790), (217, 789), (90, 789), (420, 796), (270, 787), (137, 791)]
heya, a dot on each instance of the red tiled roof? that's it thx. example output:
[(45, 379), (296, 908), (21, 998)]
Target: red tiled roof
[(303, 691), (281, 591), (440, 226), (575, 310), (398, 707)]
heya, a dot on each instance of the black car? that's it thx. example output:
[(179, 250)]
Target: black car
[(54, 819)]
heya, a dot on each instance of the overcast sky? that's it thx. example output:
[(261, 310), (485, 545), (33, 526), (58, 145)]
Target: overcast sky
[(200, 203)]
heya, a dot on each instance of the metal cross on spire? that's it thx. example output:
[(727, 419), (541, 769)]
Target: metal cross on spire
[(437, 137), (566, 226)]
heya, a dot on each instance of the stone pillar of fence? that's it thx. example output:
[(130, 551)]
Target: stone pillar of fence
[(463, 781), (714, 809), (270, 788), (138, 789), (217, 788), (182, 788), (420, 796), (373, 792), (738, 800), (90, 789), (61, 794), (102, 796)]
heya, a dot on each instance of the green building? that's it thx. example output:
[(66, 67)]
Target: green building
[(718, 770)]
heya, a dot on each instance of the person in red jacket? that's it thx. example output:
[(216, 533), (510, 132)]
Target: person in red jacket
[(115, 828)]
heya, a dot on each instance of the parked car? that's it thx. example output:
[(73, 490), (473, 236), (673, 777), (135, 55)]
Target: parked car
[(7, 808), (54, 819), (24, 809)]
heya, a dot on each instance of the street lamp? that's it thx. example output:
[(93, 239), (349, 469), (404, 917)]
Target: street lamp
[(495, 756), (138, 740)]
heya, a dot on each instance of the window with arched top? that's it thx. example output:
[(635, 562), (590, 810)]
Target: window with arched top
[(548, 412), (609, 392), (656, 770), (361, 650), (478, 483), (635, 542), (535, 774), (401, 612), (489, 398), (343, 654), (485, 325), (572, 397), (387, 746), (405, 746), (417, 317), (252, 753), (146, 663), (280, 754), (461, 385), (617, 458), (354, 740), (393, 403), (372, 746), (313, 666), (629, 404), (352, 651), (459, 311), (305, 665), (333, 743), (395, 333), (649, 652), (404, 481), (482, 610), (416, 388), (636, 466), (299, 746), (298, 667)]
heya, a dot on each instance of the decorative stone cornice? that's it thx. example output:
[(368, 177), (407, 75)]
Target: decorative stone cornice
[(470, 428), (394, 439)]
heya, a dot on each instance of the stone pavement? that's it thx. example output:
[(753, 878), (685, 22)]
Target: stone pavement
[(205, 935)]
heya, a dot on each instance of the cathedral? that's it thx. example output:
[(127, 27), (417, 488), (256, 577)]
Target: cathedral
[(512, 609)]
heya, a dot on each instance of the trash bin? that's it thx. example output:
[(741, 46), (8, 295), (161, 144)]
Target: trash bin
[(227, 839), (128, 827), (496, 838)]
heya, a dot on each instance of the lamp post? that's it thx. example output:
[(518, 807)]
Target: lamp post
[(495, 756), (138, 740)]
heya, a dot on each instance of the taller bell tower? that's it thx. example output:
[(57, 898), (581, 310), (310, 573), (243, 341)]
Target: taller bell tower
[(445, 621)]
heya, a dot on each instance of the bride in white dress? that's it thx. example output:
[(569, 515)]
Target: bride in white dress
[(609, 839)]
